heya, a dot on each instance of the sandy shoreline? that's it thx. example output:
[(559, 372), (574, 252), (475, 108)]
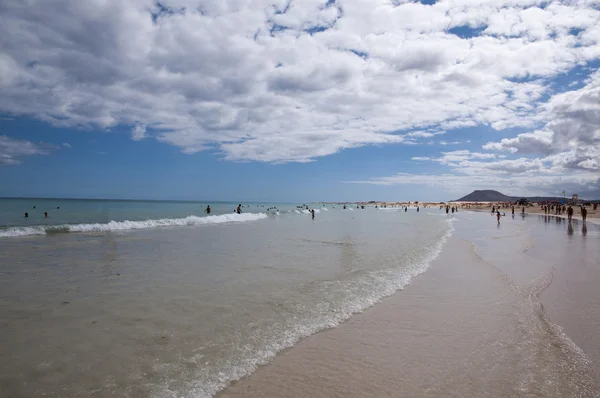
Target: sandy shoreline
[(471, 326), (592, 215)]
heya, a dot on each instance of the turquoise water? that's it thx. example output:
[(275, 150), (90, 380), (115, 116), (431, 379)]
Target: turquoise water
[(73, 215), (158, 299)]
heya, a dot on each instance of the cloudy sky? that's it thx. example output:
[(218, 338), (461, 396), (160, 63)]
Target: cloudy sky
[(299, 100)]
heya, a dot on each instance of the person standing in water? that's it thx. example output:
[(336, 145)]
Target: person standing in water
[(45, 214), (498, 215), (570, 213), (207, 211), (583, 213), (239, 209), (312, 212)]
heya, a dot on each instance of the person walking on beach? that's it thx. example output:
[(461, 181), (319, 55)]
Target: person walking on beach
[(313, 213), (513, 211), (570, 213), (207, 211), (583, 213)]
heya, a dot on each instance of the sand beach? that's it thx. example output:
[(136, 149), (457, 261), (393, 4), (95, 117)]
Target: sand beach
[(511, 313)]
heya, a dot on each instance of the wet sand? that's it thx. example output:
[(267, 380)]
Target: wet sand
[(592, 215), (471, 326)]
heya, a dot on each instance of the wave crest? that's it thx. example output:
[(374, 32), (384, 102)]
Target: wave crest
[(129, 225)]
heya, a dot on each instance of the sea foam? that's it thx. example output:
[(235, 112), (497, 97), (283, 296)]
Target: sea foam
[(129, 225)]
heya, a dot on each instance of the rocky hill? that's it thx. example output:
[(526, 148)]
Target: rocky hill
[(489, 195)]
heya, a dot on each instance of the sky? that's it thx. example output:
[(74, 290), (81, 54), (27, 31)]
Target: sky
[(289, 100)]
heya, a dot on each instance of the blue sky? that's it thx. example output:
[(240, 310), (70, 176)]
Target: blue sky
[(299, 101), (100, 164)]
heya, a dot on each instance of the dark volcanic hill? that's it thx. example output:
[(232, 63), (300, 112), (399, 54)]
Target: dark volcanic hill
[(487, 196), (495, 196)]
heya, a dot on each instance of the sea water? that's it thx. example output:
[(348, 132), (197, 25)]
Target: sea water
[(160, 299)]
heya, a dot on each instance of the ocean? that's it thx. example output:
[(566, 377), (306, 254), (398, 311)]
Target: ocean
[(141, 298)]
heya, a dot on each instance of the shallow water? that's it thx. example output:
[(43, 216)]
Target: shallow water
[(500, 314), (183, 310)]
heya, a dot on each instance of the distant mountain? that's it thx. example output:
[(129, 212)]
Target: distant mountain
[(487, 195), (495, 196)]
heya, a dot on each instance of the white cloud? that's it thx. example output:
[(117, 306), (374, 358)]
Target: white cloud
[(66, 145), (454, 157), (138, 133), (280, 81), (571, 138), (524, 183), (536, 142), (424, 134), (12, 150)]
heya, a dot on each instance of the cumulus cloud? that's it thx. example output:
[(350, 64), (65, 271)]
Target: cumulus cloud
[(260, 80), (290, 81), (571, 139), (138, 133), (12, 150)]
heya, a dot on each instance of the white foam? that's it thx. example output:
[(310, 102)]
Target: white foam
[(305, 211), (130, 225), (382, 283)]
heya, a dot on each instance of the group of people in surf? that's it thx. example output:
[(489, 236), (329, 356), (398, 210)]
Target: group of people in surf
[(26, 215), (448, 209), (238, 210)]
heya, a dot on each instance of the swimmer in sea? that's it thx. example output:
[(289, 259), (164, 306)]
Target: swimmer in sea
[(45, 214), (26, 215)]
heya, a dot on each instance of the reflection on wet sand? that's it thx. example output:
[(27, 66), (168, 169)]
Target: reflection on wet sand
[(570, 229), (571, 225)]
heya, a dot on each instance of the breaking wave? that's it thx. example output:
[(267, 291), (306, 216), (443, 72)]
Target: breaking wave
[(128, 225)]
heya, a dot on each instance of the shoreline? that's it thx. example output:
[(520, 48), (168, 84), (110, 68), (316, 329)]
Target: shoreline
[(440, 337), (591, 220)]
